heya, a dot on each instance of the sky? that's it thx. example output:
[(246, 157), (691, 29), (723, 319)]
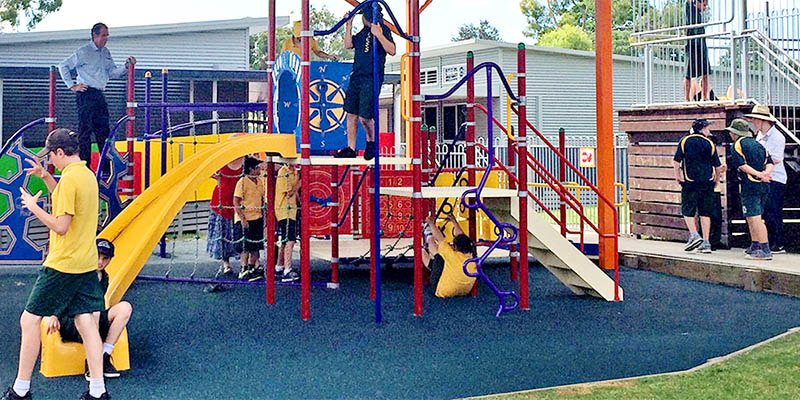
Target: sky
[(439, 21)]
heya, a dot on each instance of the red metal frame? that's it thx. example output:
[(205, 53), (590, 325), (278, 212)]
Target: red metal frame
[(416, 201), (271, 251), (514, 252), (562, 176), (522, 173), (334, 204), (51, 100), (470, 138), (130, 128), (305, 153)]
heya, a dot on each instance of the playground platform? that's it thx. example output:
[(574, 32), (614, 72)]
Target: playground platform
[(728, 267), (357, 248)]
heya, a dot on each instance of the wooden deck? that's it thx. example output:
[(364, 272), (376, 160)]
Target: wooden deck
[(728, 267)]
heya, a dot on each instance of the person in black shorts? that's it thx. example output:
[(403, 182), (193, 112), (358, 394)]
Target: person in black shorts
[(67, 283), (697, 169), (248, 204), (754, 164), (112, 320), (697, 65), (358, 102)]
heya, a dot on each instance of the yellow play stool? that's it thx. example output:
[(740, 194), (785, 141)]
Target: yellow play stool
[(68, 358)]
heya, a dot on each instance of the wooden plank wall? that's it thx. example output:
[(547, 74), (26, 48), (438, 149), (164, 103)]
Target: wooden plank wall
[(654, 195)]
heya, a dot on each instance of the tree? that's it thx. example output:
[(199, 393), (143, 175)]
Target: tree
[(555, 14), (483, 31), (33, 10), (567, 36), (322, 19)]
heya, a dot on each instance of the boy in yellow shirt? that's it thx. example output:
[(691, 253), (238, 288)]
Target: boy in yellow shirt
[(67, 284), (248, 204), (446, 260), (287, 186)]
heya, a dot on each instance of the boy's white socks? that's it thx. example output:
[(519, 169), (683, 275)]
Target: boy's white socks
[(22, 387), (96, 387), (108, 348)]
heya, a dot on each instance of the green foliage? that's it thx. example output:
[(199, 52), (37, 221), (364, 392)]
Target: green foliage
[(320, 20), (567, 37), (554, 15), (33, 10), (483, 31)]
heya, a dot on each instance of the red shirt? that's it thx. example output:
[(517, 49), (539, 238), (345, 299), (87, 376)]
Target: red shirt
[(222, 198)]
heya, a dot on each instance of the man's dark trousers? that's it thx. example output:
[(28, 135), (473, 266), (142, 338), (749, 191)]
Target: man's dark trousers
[(773, 214), (92, 118)]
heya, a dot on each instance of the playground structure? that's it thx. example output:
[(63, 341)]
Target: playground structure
[(141, 225)]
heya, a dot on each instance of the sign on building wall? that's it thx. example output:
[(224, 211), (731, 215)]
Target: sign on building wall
[(327, 118), (587, 157)]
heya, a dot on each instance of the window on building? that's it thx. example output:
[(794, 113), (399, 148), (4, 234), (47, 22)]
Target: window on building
[(429, 76), (429, 116), (454, 116)]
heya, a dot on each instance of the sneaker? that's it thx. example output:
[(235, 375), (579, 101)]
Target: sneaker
[(346, 152), (778, 250), (244, 273), (291, 276), (759, 254), (257, 274), (369, 151), (10, 394), (279, 269), (693, 243), (87, 396), (749, 250), (704, 248), (109, 371)]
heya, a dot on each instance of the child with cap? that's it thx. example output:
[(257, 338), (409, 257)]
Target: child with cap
[(754, 164), (697, 169), (68, 283), (359, 99), (112, 320)]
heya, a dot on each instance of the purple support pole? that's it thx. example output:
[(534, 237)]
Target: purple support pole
[(376, 217), (162, 244), (148, 87)]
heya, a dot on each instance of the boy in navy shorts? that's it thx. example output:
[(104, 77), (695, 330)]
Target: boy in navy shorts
[(358, 101), (67, 284)]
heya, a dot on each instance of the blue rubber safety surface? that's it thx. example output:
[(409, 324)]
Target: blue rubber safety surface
[(187, 344)]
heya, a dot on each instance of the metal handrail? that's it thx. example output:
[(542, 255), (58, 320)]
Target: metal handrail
[(679, 38), (768, 40), (702, 25), (18, 133), (355, 11), (108, 143)]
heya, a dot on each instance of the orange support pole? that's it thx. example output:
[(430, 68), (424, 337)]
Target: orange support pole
[(605, 132), (522, 177), (305, 170)]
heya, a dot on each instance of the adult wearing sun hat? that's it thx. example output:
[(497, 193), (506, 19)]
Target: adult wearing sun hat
[(754, 164), (773, 140)]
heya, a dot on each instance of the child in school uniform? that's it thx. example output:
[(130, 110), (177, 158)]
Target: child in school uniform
[(248, 203)]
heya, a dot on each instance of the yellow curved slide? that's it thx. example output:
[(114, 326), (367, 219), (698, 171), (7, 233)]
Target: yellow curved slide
[(137, 229)]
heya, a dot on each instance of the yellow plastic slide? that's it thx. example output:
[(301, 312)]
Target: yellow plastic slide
[(136, 231)]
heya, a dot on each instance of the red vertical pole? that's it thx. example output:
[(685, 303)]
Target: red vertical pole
[(373, 252), (355, 211), (51, 100), (470, 139), (416, 143), (270, 231), (334, 205), (605, 132), (305, 171), (562, 176), (130, 127), (522, 177), (512, 160), (270, 62), (270, 215)]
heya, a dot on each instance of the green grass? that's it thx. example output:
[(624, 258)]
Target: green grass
[(771, 371)]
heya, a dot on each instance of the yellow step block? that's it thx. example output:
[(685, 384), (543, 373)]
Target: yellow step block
[(68, 358)]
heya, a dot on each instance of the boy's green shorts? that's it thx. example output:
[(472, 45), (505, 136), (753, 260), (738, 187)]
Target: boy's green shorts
[(57, 293), (753, 203)]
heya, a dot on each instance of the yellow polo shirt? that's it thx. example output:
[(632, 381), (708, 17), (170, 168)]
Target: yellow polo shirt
[(286, 204), (454, 282), (75, 194), (288, 45), (252, 195)]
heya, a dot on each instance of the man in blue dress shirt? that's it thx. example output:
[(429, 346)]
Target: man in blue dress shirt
[(94, 67)]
